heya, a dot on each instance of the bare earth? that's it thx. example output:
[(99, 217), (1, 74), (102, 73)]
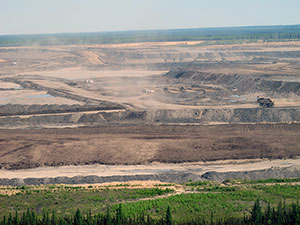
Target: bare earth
[(123, 73), (143, 144), (148, 96), (198, 168)]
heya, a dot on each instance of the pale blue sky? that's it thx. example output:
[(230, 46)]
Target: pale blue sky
[(58, 16)]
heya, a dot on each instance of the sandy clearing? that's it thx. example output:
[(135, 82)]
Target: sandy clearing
[(8, 190), (129, 185), (153, 168), (261, 44), (8, 85), (169, 43), (136, 44), (287, 102), (172, 43), (74, 73), (28, 97), (92, 57), (66, 113), (145, 44)]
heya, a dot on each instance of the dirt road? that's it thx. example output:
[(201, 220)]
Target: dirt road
[(198, 168)]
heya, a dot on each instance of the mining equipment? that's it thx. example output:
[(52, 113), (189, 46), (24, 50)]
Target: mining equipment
[(265, 102)]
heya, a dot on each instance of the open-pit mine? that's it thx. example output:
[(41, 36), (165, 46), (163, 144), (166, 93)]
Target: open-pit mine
[(168, 111)]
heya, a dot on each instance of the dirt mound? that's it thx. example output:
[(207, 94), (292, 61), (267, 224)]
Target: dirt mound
[(164, 177), (288, 172), (73, 115)]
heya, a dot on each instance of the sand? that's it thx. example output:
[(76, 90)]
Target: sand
[(153, 168)]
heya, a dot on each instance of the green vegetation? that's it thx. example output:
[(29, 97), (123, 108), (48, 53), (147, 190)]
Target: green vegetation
[(283, 215), (229, 35), (65, 199), (201, 183), (194, 202), (164, 185)]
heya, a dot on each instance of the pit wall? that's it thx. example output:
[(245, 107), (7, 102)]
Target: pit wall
[(203, 116), (251, 84)]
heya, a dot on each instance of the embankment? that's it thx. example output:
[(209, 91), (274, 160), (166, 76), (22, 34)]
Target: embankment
[(277, 83), (97, 115), (175, 177)]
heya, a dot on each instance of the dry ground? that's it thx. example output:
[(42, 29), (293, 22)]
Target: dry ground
[(143, 144), (123, 73), (133, 75)]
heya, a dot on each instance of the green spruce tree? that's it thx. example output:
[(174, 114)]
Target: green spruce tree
[(256, 213), (168, 216), (78, 218), (119, 215), (108, 217)]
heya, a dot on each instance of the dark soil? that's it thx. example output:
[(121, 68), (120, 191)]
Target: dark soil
[(140, 144)]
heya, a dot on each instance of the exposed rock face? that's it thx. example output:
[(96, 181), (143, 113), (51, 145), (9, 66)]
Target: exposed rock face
[(200, 116), (251, 83), (240, 115)]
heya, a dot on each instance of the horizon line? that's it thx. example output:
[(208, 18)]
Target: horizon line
[(145, 30)]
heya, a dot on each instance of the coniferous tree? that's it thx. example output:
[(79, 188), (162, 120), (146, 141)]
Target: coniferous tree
[(119, 216), (33, 218), (279, 214), (4, 220), (211, 218), (78, 218), (283, 214), (296, 213), (53, 218), (256, 213), (89, 218), (268, 215), (16, 219), (10, 220), (108, 217), (168, 216)]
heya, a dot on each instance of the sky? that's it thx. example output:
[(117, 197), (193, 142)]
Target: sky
[(61, 16)]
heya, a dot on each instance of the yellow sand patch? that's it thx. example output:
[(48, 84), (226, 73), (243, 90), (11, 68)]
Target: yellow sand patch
[(8, 85), (92, 57), (166, 43)]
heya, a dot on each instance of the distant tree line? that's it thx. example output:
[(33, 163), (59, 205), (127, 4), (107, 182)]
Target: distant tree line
[(281, 215), (265, 33)]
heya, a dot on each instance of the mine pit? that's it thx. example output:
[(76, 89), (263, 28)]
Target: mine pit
[(142, 104)]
